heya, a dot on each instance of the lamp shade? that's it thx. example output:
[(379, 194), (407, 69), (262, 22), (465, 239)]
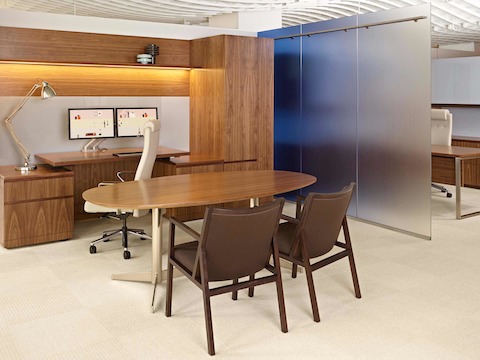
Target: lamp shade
[(47, 91)]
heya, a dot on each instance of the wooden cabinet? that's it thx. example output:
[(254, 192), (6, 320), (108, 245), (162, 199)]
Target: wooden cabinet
[(36, 207), (231, 99)]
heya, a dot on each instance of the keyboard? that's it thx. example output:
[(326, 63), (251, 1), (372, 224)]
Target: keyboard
[(136, 153)]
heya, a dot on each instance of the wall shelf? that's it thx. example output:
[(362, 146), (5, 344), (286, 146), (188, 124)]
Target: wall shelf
[(123, 66)]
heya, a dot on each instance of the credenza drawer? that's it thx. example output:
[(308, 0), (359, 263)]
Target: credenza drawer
[(17, 191), (36, 222)]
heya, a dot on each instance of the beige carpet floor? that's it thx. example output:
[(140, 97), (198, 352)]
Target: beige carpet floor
[(421, 300)]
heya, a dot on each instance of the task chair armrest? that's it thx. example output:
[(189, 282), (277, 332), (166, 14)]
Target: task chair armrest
[(107, 183), (184, 227), (120, 173)]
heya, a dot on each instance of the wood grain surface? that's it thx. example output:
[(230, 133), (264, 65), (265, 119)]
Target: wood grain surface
[(197, 189)]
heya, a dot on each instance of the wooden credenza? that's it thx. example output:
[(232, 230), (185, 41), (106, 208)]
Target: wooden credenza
[(470, 168), (35, 207)]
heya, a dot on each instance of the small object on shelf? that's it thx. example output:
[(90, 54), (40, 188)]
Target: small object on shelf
[(145, 58), (152, 49)]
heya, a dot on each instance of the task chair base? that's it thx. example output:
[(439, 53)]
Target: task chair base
[(123, 231)]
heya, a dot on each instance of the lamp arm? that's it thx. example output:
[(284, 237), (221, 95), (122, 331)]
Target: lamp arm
[(8, 122)]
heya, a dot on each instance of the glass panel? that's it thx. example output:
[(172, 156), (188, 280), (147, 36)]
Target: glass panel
[(394, 153)]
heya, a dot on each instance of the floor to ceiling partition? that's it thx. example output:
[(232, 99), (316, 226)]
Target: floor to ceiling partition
[(394, 151), (329, 106), (357, 109), (288, 102)]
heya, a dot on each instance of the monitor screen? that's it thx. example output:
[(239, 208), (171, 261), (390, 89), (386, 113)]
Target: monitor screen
[(91, 123), (130, 121)]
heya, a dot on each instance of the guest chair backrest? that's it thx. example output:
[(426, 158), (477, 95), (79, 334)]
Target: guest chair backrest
[(441, 127), (151, 136), (321, 220), (238, 242)]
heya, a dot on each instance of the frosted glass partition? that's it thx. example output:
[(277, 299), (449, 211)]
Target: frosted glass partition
[(358, 109), (329, 105), (287, 68), (394, 151)]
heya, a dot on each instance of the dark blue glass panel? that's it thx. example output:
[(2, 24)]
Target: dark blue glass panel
[(288, 115), (329, 101)]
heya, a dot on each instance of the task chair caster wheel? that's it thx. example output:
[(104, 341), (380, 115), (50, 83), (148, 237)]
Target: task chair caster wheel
[(93, 249), (449, 195), (126, 254)]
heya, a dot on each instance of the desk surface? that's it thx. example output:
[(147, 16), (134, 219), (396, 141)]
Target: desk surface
[(79, 157), (8, 173), (455, 151), (197, 189)]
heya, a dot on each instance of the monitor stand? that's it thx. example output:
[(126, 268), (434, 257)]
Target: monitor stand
[(93, 145)]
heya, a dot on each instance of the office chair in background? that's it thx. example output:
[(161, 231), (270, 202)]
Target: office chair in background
[(144, 171), (441, 120)]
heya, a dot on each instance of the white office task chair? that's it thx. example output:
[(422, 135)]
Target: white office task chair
[(441, 135), (144, 171)]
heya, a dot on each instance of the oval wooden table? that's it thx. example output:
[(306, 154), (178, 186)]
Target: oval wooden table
[(176, 191)]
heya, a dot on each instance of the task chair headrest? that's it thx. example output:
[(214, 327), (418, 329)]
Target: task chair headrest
[(153, 125), (440, 114)]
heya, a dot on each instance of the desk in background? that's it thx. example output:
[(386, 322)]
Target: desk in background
[(447, 169), (92, 168)]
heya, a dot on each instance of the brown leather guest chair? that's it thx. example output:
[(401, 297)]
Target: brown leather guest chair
[(234, 243), (314, 233)]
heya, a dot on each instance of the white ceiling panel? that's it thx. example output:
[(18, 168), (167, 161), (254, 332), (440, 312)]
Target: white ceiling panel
[(453, 21)]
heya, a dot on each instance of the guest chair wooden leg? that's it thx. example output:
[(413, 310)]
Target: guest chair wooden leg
[(235, 293), (208, 322), (311, 291), (353, 268), (280, 295), (294, 270), (168, 300), (251, 289)]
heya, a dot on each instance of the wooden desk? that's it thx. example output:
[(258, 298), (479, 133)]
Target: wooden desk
[(176, 191), (456, 154), (106, 156), (95, 167)]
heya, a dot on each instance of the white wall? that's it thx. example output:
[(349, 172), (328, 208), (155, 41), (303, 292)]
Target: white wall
[(42, 125)]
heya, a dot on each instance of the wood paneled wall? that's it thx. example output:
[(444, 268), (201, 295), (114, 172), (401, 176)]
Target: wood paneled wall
[(231, 99), (58, 51), (18, 44), (17, 79)]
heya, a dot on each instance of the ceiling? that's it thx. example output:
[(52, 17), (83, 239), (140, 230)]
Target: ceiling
[(453, 21)]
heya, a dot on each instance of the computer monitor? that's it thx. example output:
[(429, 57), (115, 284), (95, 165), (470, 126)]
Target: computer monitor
[(130, 121), (91, 123)]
